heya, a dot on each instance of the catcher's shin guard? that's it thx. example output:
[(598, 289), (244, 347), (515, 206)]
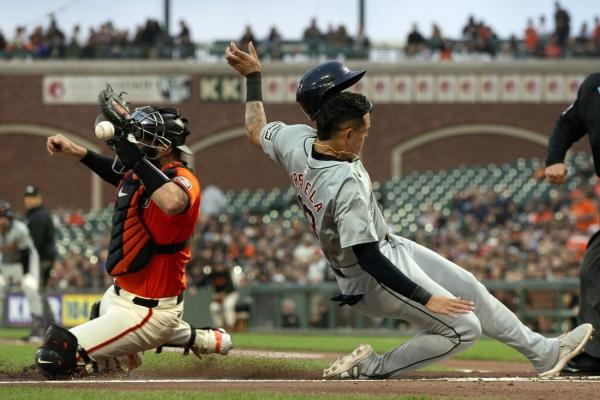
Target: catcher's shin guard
[(204, 341)]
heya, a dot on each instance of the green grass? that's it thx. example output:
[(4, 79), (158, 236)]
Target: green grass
[(94, 394), (17, 357)]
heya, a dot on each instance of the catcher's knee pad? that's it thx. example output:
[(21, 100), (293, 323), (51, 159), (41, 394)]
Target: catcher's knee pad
[(95, 310), (57, 356), (210, 341)]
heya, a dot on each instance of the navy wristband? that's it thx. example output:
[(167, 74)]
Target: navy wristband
[(254, 87)]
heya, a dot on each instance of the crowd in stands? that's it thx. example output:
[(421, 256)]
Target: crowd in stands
[(477, 40), (496, 236), (486, 232)]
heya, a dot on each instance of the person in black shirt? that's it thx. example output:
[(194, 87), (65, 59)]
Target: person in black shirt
[(41, 228), (580, 118)]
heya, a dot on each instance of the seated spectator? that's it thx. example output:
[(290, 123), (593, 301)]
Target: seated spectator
[(289, 318), (584, 211)]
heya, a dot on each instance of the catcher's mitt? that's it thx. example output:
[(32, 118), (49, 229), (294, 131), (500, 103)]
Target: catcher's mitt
[(114, 107)]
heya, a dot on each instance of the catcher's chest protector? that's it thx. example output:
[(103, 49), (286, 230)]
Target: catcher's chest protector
[(130, 247)]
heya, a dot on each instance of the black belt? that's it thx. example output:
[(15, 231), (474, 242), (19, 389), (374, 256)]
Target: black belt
[(148, 303)]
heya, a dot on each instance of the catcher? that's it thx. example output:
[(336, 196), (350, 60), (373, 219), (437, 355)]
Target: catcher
[(156, 209)]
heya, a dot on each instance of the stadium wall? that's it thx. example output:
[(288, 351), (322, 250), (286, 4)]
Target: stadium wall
[(479, 106)]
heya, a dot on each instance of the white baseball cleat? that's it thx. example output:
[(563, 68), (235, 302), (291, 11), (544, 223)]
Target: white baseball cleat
[(348, 367), (570, 344), (212, 341)]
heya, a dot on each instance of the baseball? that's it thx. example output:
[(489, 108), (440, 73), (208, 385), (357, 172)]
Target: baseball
[(105, 130)]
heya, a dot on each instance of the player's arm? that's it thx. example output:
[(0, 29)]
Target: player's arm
[(381, 268), (569, 128), (356, 229), (248, 65), (99, 164)]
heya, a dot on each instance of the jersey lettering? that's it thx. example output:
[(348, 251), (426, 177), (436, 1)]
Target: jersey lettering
[(302, 186)]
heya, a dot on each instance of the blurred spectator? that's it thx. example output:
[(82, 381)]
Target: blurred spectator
[(73, 49), (469, 31), (543, 33), (531, 38), (436, 41), (596, 32), (361, 43), (248, 37), (3, 43), (224, 296), (56, 39), (584, 211), (562, 25), (313, 38), (415, 42), (184, 45), (289, 318), (553, 49), (272, 45), (213, 201)]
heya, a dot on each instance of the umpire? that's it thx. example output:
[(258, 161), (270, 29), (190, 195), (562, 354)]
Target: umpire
[(581, 117), (41, 229)]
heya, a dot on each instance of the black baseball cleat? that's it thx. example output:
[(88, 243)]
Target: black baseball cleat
[(582, 364)]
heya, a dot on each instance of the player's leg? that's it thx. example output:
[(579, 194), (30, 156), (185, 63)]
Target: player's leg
[(3, 287), (45, 271), (589, 310), (123, 328), (440, 337), (216, 313), (30, 284), (199, 340), (497, 320), (229, 309)]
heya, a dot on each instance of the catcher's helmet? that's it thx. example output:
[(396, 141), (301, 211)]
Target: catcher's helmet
[(324, 79), (6, 209), (164, 127)]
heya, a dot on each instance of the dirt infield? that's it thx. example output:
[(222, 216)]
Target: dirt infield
[(467, 380)]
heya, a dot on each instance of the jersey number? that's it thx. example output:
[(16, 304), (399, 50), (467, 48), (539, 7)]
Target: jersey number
[(309, 216)]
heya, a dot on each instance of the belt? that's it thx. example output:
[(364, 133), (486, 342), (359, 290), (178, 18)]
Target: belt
[(149, 303)]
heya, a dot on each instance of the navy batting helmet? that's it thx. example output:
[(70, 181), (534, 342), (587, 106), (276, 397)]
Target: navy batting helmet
[(5, 209), (324, 79)]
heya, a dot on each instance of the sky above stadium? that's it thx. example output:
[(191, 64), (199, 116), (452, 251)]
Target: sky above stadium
[(386, 20)]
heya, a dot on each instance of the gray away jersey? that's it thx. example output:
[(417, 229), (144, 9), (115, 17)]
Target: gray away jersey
[(336, 196), (17, 238)]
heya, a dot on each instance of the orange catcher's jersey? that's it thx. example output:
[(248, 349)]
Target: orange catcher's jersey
[(164, 276)]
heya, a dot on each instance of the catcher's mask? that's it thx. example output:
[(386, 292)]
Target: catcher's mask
[(159, 128)]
